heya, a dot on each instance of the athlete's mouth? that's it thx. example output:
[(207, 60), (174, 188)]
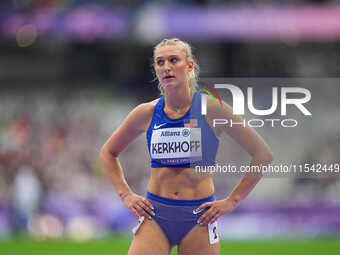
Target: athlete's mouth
[(168, 77)]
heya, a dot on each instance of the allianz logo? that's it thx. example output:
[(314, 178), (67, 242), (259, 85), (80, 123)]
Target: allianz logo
[(170, 133)]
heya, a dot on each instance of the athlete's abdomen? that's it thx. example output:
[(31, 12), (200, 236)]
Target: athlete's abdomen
[(180, 183)]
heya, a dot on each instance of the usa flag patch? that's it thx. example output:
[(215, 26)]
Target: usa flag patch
[(190, 123)]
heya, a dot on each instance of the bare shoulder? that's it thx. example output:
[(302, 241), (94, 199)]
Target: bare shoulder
[(148, 107), (217, 110), (145, 109), (141, 115)]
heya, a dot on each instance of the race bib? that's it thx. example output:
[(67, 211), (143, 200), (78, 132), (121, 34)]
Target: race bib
[(213, 233), (176, 145), (140, 221)]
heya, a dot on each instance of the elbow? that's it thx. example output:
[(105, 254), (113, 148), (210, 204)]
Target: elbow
[(105, 152), (102, 154), (265, 157), (270, 156)]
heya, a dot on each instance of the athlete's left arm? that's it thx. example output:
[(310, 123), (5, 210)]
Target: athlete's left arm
[(252, 142)]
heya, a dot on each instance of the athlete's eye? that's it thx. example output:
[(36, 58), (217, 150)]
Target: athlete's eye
[(174, 60), (160, 62)]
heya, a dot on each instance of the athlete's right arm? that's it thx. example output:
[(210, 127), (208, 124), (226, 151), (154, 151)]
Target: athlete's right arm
[(134, 124)]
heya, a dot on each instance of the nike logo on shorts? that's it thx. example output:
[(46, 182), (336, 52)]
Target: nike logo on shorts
[(158, 126), (195, 211)]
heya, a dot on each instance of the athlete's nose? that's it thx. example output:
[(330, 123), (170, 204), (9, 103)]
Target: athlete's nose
[(167, 69), (166, 66)]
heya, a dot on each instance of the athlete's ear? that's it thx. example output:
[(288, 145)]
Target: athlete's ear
[(190, 65)]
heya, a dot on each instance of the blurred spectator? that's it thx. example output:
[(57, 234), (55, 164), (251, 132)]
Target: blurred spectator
[(26, 194)]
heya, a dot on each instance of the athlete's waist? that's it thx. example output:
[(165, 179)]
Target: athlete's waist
[(179, 202)]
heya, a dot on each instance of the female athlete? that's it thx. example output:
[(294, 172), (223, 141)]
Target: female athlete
[(180, 206)]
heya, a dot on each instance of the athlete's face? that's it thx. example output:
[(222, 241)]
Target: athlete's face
[(172, 66)]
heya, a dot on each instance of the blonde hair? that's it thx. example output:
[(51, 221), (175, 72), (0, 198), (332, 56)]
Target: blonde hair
[(193, 75)]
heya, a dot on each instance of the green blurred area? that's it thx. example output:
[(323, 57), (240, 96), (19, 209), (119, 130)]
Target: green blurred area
[(119, 245)]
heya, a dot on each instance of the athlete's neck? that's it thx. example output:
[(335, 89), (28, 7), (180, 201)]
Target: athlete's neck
[(178, 101)]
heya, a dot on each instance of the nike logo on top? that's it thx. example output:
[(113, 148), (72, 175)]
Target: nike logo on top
[(158, 126)]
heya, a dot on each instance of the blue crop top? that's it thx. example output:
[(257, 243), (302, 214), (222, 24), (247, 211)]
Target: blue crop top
[(185, 142)]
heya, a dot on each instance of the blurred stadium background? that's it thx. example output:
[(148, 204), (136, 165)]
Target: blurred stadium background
[(70, 71)]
